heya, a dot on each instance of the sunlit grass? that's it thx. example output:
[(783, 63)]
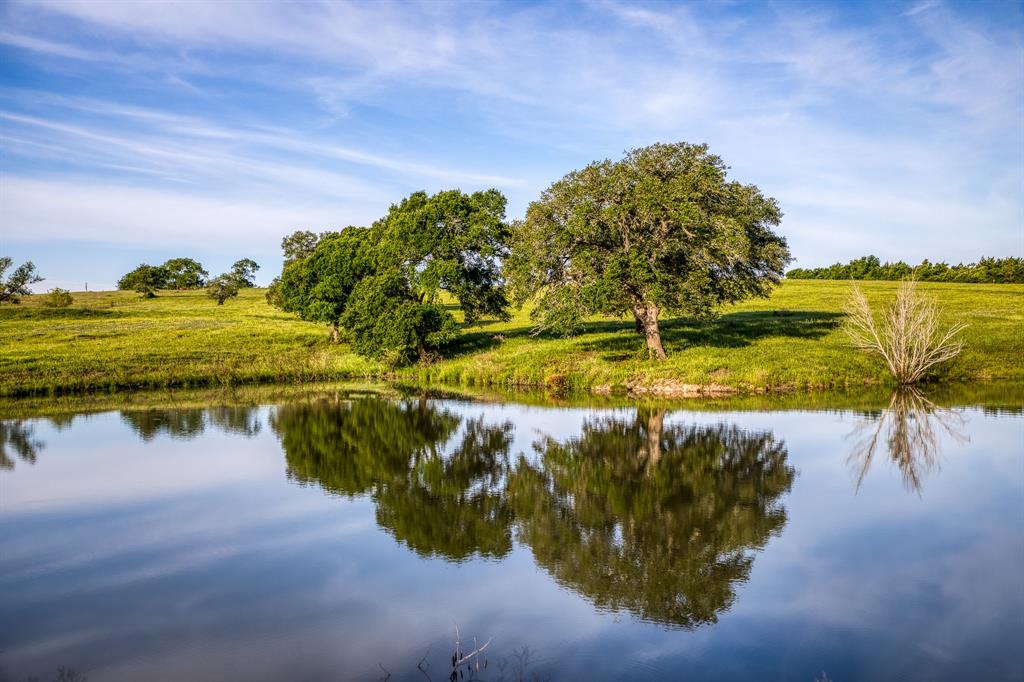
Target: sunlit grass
[(116, 340)]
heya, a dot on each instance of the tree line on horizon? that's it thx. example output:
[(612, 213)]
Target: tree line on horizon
[(187, 273), (986, 271)]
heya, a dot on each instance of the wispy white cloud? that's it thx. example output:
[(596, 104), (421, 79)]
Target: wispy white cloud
[(77, 209), (904, 121)]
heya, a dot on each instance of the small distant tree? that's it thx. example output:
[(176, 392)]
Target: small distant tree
[(662, 230), (145, 279), (185, 273), (222, 287), (384, 319), (14, 286), (318, 287), (58, 298), (244, 272)]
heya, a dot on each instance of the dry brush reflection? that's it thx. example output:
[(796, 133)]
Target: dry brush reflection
[(909, 430)]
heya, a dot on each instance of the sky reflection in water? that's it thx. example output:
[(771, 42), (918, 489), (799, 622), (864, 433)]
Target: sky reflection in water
[(319, 538)]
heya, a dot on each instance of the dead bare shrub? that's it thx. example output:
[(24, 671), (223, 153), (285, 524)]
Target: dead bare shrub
[(908, 337)]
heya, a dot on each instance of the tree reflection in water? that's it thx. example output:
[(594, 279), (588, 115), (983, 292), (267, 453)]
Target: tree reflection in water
[(453, 506), (352, 447), (635, 515), (176, 423), (187, 423), (17, 439), (660, 521), (909, 429)]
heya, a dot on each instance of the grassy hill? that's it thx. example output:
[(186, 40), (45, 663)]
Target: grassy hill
[(116, 340)]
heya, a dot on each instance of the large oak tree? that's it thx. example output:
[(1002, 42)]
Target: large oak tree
[(661, 231)]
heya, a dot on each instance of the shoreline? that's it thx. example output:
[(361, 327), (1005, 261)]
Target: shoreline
[(791, 342), (995, 394)]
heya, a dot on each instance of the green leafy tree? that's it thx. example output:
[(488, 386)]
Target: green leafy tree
[(987, 270), (185, 273), (317, 287), (58, 298), (384, 284), (145, 279), (297, 246), (661, 231), (244, 272), (300, 244), (273, 294), (223, 287), (449, 241), (15, 285), (384, 319)]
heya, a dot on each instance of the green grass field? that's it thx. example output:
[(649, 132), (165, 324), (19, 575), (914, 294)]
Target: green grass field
[(791, 341)]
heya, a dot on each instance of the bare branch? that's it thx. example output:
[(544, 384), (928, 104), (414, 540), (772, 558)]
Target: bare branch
[(908, 336)]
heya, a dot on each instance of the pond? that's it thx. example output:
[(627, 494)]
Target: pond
[(353, 536)]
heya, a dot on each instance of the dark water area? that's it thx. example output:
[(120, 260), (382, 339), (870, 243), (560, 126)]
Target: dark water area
[(366, 538)]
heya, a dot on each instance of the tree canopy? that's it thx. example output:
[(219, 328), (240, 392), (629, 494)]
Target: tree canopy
[(382, 285), (662, 230), (243, 272), (449, 241), (15, 285), (223, 287), (300, 244), (185, 273), (384, 319), (145, 279), (318, 286)]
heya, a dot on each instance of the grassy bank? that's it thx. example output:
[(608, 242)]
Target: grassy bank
[(115, 340)]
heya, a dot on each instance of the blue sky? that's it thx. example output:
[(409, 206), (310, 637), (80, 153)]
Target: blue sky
[(139, 132)]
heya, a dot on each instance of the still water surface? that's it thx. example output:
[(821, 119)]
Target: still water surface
[(345, 538)]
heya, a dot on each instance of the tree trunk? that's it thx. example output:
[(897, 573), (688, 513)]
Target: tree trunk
[(652, 428), (647, 316)]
